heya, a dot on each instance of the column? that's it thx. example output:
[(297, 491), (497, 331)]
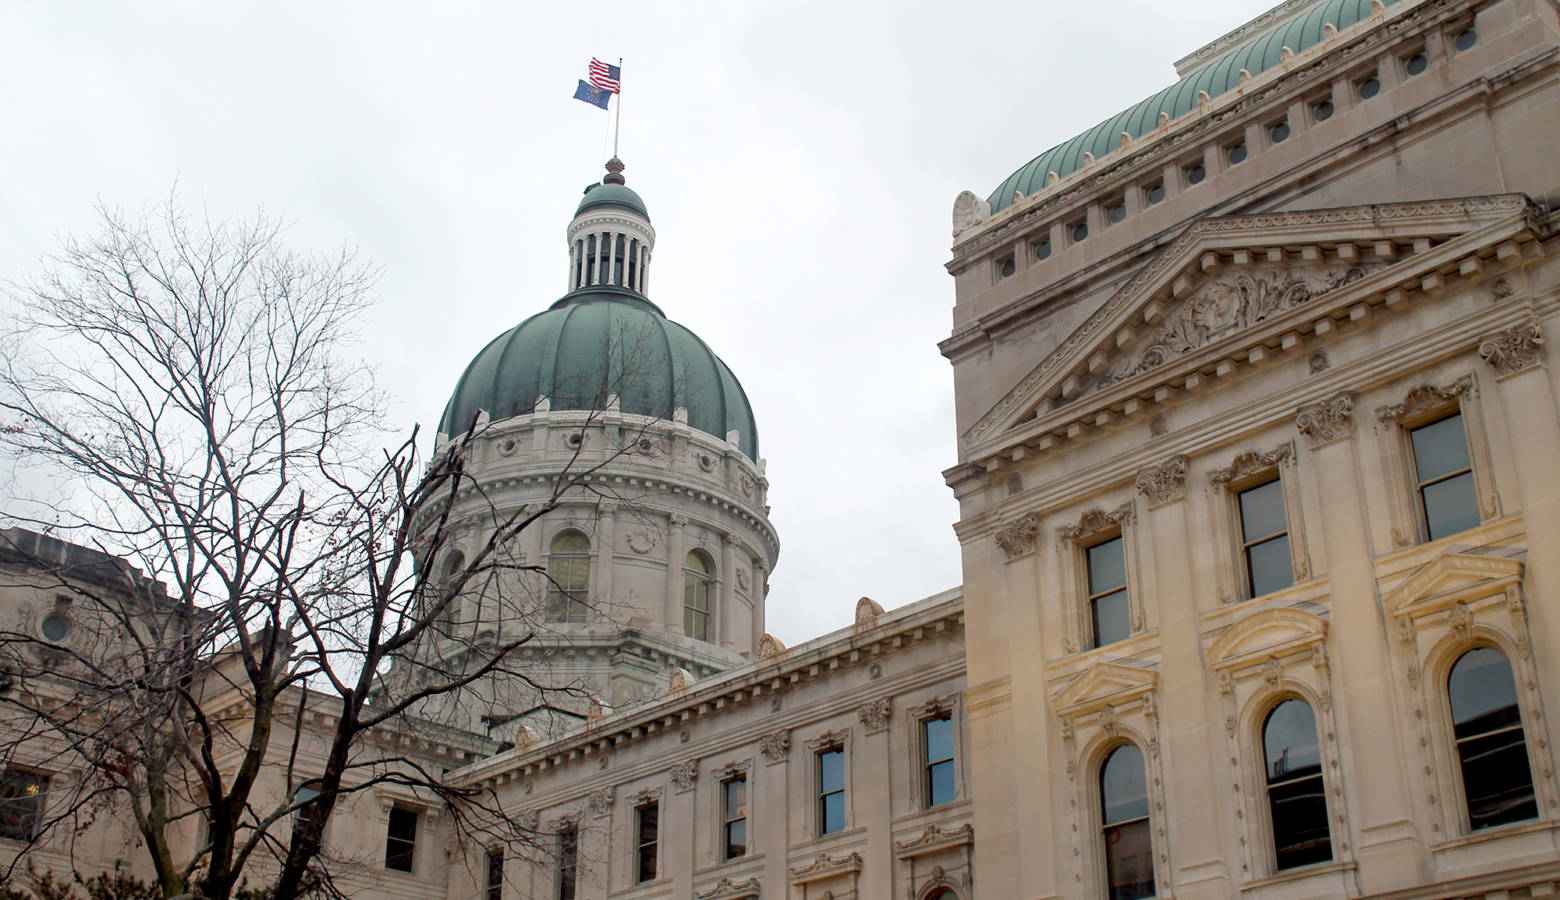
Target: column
[(725, 610), (756, 594), (1370, 732), (606, 530), (674, 577), (601, 255)]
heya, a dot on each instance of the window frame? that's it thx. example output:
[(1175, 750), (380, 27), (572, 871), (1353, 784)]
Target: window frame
[(569, 616), (567, 861), (1448, 662), (1090, 596), (928, 764), (692, 579), (494, 889), (935, 707), (1249, 470), (391, 838), (1422, 512), (640, 844), (826, 742), (1425, 404), (726, 820), (1096, 789), (1265, 707), (1093, 528), (39, 798)]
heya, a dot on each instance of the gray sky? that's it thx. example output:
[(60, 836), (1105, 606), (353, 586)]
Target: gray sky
[(799, 161)]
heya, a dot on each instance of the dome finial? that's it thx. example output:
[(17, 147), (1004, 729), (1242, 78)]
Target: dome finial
[(614, 172)]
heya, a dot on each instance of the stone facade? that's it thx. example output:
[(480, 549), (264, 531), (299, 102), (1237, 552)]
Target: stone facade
[(1283, 329)]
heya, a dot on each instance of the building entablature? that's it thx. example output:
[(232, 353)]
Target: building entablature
[(875, 636), (1101, 215), (1236, 294)]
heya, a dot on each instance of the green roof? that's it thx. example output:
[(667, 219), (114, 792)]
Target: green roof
[(612, 196), (595, 342), (1258, 54)]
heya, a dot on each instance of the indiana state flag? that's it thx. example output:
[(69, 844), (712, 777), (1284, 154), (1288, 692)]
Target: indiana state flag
[(592, 94)]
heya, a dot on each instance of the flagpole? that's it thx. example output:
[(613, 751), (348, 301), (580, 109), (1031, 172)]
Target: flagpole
[(618, 114)]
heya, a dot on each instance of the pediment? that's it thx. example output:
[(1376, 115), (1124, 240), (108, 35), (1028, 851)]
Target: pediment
[(1272, 632), (1223, 279), (1104, 684), (1452, 578)]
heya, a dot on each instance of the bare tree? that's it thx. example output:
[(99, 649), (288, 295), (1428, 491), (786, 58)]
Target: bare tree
[(190, 386)]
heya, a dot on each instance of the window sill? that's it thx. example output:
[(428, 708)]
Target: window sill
[(1496, 833), (1300, 874)]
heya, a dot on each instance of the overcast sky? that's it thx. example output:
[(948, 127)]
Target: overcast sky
[(799, 161)]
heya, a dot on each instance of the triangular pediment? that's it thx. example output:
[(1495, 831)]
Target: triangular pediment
[(1272, 632), (1102, 684), (1223, 279), (1452, 578)]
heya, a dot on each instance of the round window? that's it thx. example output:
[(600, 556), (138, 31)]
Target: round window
[(1155, 194), (55, 627), (1008, 267), (1043, 250), (1080, 231), (1279, 133), (1236, 154), (1465, 40), (1370, 87), (1195, 174), (1323, 111), (1117, 213), (1416, 64)]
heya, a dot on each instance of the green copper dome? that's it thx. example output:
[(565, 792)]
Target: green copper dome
[(612, 196), (595, 342), (1262, 52)]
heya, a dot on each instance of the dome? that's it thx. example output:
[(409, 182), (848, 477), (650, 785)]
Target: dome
[(612, 196), (598, 341)]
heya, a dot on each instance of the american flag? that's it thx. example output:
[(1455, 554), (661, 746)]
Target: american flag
[(605, 77)]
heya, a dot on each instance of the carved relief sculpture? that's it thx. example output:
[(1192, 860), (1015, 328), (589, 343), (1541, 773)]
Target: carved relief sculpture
[(1513, 350), (684, 774), (1165, 482), (1423, 397), (599, 802), (867, 613), (874, 716), (726, 889), (1327, 420), (1097, 520), (1251, 462), (775, 746), (770, 647), (1018, 536)]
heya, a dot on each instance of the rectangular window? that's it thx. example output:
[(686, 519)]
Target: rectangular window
[(568, 861), (1264, 538), (22, 795), (648, 838), (495, 874), (736, 816), (1108, 611), (831, 791), (1444, 476), (401, 839), (937, 737)]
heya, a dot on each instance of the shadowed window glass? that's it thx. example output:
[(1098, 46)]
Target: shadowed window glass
[(1264, 537), (831, 791), (1129, 854), (736, 817), (1297, 798), (1108, 610), (401, 839), (649, 839), (1445, 477), (1491, 746), (698, 577), (938, 736)]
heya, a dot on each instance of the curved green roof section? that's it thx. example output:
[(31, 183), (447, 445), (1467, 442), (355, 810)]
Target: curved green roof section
[(1258, 54), (600, 341), (612, 196)]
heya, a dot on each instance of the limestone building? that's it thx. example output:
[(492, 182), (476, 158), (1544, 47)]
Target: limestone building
[(1257, 423), (1257, 428)]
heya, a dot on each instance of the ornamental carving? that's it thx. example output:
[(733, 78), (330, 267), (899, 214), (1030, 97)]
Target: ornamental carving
[(1513, 350), (1317, 362), (1251, 462), (934, 838), (1165, 482), (731, 770), (678, 682), (645, 797), (936, 706), (874, 716), (1018, 536), (775, 746), (826, 865), (1223, 308), (1097, 520), (1425, 397), (969, 211), (1327, 420), (599, 802), (867, 613), (726, 889), (770, 647), (828, 740), (684, 774), (641, 542), (744, 581)]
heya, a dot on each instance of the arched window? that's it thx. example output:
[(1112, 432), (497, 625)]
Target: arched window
[(1487, 726), (568, 577), (1297, 798), (698, 576), (1129, 852), (454, 563)]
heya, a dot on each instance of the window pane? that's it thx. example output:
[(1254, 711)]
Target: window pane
[(1450, 506), (1112, 622), (939, 739), (831, 771), (21, 803), (833, 812), (1484, 697), (495, 875), (736, 838), (1289, 742), (1107, 567), (649, 833), (1300, 833), (939, 786), (1129, 861), (1440, 448), (1496, 778), (401, 840), (1269, 567), (736, 799), (1262, 512), (1123, 789)]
